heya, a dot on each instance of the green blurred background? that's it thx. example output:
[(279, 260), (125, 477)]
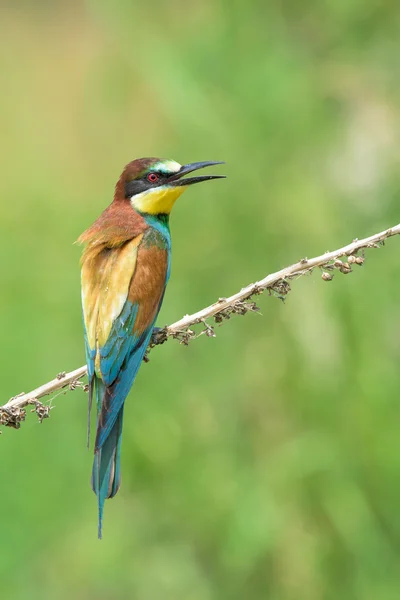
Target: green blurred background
[(264, 463)]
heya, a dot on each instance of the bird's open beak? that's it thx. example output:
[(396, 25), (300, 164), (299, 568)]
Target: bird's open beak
[(176, 179)]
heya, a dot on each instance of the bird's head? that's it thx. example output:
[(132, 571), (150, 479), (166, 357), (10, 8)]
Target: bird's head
[(152, 185)]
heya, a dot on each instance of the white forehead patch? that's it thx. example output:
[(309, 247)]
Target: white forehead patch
[(167, 166)]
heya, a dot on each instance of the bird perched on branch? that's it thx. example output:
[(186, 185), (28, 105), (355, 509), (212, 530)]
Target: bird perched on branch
[(125, 270)]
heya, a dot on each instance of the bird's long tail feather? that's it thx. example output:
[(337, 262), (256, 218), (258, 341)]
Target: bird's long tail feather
[(106, 474)]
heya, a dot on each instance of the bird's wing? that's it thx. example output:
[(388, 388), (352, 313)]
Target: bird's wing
[(105, 277), (122, 290)]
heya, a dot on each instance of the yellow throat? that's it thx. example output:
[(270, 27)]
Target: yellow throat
[(157, 201)]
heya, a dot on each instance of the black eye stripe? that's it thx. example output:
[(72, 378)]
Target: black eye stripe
[(137, 186)]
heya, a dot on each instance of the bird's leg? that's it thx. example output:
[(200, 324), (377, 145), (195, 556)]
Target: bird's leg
[(158, 336)]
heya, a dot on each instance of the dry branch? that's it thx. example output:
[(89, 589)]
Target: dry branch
[(13, 412)]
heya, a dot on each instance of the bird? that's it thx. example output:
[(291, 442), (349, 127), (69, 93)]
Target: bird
[(125, 268)]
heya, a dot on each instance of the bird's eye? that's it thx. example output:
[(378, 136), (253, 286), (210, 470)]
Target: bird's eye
[(152, 177)]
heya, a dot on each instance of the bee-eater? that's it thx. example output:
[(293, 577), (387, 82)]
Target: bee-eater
[(125, 270)]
